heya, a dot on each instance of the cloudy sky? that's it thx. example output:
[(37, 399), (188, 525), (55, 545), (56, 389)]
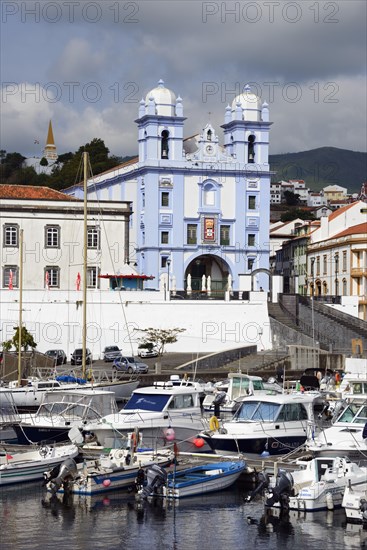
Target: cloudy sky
[(86, 65)]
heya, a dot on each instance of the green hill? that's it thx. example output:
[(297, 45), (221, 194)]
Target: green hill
[(321, 167)]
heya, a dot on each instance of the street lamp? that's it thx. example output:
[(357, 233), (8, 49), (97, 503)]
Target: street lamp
[(336, 258), (168, 266)]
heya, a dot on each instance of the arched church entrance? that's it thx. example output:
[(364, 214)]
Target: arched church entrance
[(208, 274), (262, 270)]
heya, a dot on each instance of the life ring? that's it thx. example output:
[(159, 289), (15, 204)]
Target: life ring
[(214, 424), (43, 451)]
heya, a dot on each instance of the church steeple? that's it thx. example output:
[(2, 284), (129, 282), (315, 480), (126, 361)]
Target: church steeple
[(49, 151)]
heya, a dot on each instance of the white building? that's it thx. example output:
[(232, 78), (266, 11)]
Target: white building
[(52, 225)]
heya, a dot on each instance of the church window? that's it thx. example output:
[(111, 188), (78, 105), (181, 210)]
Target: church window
[(164, 261), (344, 259), (191, 233), (10, 276), (164, 237), (209, 195), (252, 202), (224, 235), (209, 135), (250, 263), (251, 149), (164, 198), (251, 239), (164, 144), (52, 236), (325, 264)]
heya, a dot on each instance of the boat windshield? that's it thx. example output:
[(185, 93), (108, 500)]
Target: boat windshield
[(257, 411), (354, 413), (150, 402)]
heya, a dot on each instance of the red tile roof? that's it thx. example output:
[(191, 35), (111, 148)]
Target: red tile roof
[(355, 230), (340, 211), (32, 192)]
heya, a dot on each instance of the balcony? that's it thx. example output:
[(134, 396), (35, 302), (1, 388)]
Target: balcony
[(358, 272)]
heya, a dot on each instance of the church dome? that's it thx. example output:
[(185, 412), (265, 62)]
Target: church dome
[(250, 103), (165, 100)]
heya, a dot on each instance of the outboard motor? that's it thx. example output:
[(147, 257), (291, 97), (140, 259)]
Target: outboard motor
[(263, 483), (363, 508), (282, 490), (156, 478), (60, 475)]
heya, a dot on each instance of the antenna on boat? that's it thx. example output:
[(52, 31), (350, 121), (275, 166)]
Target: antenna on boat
[(20, 305), (85, 247)]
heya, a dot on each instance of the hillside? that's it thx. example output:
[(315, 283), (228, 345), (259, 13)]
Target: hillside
[(321, 167)]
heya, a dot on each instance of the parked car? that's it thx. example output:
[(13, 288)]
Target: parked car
[(77, 357), (58, 355), (147, 352), (130, 365), (110, 353)]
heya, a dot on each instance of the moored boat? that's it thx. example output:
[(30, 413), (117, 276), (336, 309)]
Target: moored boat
[(26, 466)]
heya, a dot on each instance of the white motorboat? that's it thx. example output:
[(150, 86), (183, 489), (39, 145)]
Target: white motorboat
[(316, 484), (345, 436), (30, 466), (30, 393), (162, 413), (355, 503), (120, 469), (61, 411), (265, 424), (239, 386)]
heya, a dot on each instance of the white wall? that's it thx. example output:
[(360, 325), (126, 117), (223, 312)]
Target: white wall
[(55, 319)]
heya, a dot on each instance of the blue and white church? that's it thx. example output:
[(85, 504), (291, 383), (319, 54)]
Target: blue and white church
[(201, 208)]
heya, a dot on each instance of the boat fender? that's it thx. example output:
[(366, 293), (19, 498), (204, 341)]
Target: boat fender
[(329, 501), (213, 424)]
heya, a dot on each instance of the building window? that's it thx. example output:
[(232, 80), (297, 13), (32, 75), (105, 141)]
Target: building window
[(93, 240), (318, 265), (250, 263), (324, 264), (164, 198), (252, 202), (164, 261), (251, 239), (164, 237), (10, 276), (344, 287), (344, 266), (11, 235), (92, 277), (52, 236), (191, 233), (164, 144), (224, 234), (52, 277)]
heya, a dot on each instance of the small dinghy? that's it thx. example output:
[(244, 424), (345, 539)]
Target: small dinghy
[(198, 480)]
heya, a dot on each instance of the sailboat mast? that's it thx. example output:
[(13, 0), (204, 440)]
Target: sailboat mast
[(85, 248), (20, 306)]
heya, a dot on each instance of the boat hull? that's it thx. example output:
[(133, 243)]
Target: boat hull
[(255, 446), (202, 480), (355, 509), (18, 471)]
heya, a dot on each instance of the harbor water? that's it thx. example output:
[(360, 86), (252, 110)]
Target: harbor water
[(30, 519)]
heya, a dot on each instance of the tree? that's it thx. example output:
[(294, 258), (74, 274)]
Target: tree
[(296, 213), (27, 341), (292, 199), (159, 338)]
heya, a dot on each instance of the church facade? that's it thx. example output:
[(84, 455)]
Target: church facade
[(200, 219)]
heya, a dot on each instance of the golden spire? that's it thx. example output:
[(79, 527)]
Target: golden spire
[(50, 136), (49, 151)]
